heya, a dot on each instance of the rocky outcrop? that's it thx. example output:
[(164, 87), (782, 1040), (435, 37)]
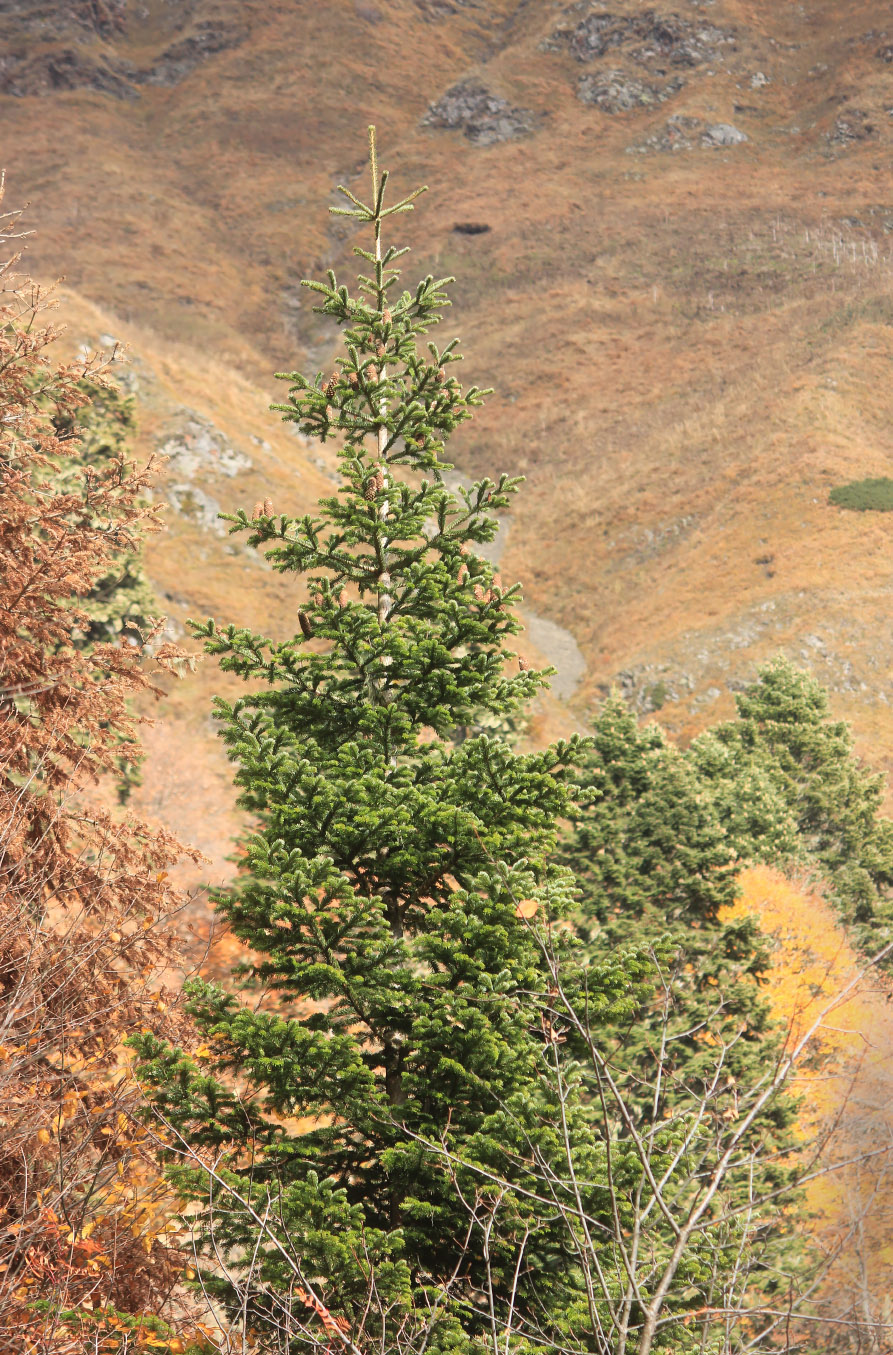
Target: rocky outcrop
[(196, 451), (650, 38), (181, 58), (70, 68), (483, 116), (683, 133), (91, 60), (851, 125), (195, 448), (54, 18), (656, 43), (614, 91), (443, 9)]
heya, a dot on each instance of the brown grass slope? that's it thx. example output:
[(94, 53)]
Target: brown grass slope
[(688, 332)]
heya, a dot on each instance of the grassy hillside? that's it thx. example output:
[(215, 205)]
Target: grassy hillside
[(670, 227)]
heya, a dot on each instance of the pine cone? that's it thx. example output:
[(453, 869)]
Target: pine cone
[(374, 485), (373, 372), (329, 387), (268, 507), (380, 350), (354, 379), (386, 315), (304, 623), (258, 510), (523, 664)]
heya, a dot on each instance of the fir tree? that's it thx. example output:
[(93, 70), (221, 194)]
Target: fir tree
[(819, 803), (694, 1058), (655, 865), (657, 868), (393, 998)]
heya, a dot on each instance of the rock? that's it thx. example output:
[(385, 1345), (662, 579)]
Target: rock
[(484, 117), (681, 43), (593, 36), (51, 72), (194, 503), (182, 58), (851, 125), (650, 38), (198, 447), (683, 133), (27, 73), (677, 135), (614, 91), (54, 18), (723, 134), (471, 227), (197, 451), (648, 687), (758, 80), (442, 9)]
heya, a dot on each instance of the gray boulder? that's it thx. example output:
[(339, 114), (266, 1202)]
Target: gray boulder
[(723, 134)]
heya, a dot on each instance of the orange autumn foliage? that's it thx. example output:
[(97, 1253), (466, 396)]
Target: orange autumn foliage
[(845, 1120), (814, 963)]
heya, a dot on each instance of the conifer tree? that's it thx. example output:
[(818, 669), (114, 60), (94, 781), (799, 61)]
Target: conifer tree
[(392, 994), (655, 865), (825, 805), (657, 868)]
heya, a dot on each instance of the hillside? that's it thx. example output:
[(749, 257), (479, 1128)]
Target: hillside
[(670, 227)]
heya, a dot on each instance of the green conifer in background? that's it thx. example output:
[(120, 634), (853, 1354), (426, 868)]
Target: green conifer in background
[(817, 804), (656, 867), (655, 863), (394, 993), (121, 605), (123, 600)]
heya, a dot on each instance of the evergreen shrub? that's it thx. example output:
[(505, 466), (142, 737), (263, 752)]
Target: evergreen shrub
[(872, 495)]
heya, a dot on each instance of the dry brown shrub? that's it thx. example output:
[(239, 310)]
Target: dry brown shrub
[(86, 941)]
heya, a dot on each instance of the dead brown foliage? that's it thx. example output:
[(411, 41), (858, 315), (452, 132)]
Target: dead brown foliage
[(85, 900)]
